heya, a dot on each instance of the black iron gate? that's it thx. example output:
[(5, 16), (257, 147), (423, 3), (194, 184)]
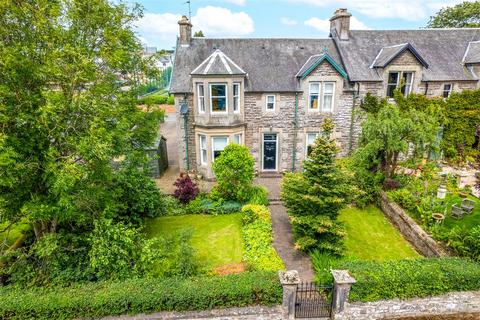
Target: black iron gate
[(313, 300)]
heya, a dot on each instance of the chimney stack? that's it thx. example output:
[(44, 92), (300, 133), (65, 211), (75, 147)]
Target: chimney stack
[(340, 23), (185, 31)]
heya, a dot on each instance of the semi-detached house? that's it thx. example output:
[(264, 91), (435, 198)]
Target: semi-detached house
[(273, 94)]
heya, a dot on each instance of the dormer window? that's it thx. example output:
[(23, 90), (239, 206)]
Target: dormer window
[(218, 98), (321, 94), (394, 83)]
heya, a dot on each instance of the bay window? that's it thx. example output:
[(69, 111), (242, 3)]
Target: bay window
[(218, 145), (236, 97), (201, 98), (237, 138), (218, 98), (203, 149)]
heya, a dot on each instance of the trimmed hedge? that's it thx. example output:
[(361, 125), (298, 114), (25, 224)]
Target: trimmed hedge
[(257, 238), (411, 278), (135, 296)]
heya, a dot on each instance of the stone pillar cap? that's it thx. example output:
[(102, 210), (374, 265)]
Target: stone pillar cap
[(342, 277), (289, 277)]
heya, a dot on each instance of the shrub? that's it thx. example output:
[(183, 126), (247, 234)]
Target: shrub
[(466, 243), (411, 278), (390, 184), (259, 195), (257, 238), (173, 207), (171, 100), (204, 205), (404, 198), (322, 264), (186, 190), (144, 295), (234, 173)]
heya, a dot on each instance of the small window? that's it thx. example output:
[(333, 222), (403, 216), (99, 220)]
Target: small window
[(313, 95), (270, 102), (407, 82), (203, 149), (236, 97), (393, 79), (311, 137), (328, 92), (218, 144), (237, 138), (447, 90), (218, 97), (201, 98)]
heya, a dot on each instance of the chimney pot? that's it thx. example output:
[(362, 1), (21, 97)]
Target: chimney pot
[(340, 23), (185, 31)]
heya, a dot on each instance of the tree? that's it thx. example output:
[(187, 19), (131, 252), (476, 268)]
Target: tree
[(65, 119), (315, 197), (463, 15), (234, 173), (199, 34)]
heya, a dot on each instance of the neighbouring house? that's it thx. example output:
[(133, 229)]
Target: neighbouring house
[(273, 94)]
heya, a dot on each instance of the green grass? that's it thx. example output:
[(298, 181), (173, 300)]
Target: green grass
[(217, 239), (370, 236), (468, 221)]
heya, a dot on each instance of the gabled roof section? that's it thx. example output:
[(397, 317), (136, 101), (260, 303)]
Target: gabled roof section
[(218, 64), (315, 60), (472, 54), (388, 54)]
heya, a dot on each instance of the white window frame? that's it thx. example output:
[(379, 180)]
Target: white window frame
[(213, 145), (324, 94), (211, 97), (410, 85), (276, 151), (238, 138), (203, 147), (449, 91), (236, 97), (274, 102), (201, 98), (319, 103), (399, 73), (306, 141)]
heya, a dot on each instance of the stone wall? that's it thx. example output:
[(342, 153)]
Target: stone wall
[(410, 230), (454, 305)]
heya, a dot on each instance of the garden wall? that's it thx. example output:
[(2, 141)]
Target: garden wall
[(458, 305), (421, 241)]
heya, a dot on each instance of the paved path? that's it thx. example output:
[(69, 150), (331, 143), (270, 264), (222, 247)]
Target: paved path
[(283, 243)]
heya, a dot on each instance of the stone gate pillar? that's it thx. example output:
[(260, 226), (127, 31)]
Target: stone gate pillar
[(289, 280), (342, 283)]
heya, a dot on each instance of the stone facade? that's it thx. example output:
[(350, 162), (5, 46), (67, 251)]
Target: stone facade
[(457, 305), (411, 231)]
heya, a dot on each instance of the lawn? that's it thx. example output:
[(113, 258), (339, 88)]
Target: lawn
[(468, 221), (217, 239), (370, 236)]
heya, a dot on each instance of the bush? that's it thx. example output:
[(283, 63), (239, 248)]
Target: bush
[(234, 173), (464, 242), (404, 198), (259, 195), (144, 295), (411, 278), (186, 190), (257, 237), (171, 100), (204, 205), (173, 207)]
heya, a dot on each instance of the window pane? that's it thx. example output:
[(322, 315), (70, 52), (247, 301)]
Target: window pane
[(238, 138), (235, 89), (327, 102), (200, 90), (314, 87), (311, 138), (270, 99), (219, 104), (390, 89), (393, 78), (203, 149), (270, 102), (328, 87), (219, 143), (407, 83), (313, 101), (218, 90)]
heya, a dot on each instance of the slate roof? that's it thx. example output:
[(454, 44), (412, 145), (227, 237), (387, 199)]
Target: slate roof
[(472, 55), (314, 61), (218, 64), (270, 64), (442, 49), (388, 54)]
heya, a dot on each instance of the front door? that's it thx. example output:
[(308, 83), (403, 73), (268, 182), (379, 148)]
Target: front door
[(270, 151)]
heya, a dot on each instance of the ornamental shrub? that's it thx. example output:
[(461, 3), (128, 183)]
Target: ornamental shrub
[(234, 173), (259, 195), (405, 279), (186, 190), (141, 295), (465, 242)]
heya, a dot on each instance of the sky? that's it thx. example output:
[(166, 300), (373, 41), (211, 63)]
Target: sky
[(277, 18)]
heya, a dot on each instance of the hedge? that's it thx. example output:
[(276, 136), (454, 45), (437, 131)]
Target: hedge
[(411, 278), (135, 296)]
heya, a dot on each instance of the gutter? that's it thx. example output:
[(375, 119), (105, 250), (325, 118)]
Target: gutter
[(295, 128)]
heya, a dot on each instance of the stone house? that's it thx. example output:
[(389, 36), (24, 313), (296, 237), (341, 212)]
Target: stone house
[(273, 94)]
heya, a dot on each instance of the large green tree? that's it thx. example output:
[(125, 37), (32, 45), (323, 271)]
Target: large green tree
[(462, 15), (68, 74)]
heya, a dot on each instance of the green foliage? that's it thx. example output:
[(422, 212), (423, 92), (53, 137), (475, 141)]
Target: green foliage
[(322, 264), (315, 196), (198, 34), (462, 15), (405, 279), (462, 118), (144, 295), (173, 207), (204, 205), (372, 104), (259, 195), (234, 173), (465, 242), (257, 239), (156, 99)]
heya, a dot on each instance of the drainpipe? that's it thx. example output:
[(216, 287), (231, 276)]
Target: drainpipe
[(184, 113), (355, 96), (295, 128)]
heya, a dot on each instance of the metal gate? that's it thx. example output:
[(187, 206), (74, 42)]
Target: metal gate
[(313, 300)]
